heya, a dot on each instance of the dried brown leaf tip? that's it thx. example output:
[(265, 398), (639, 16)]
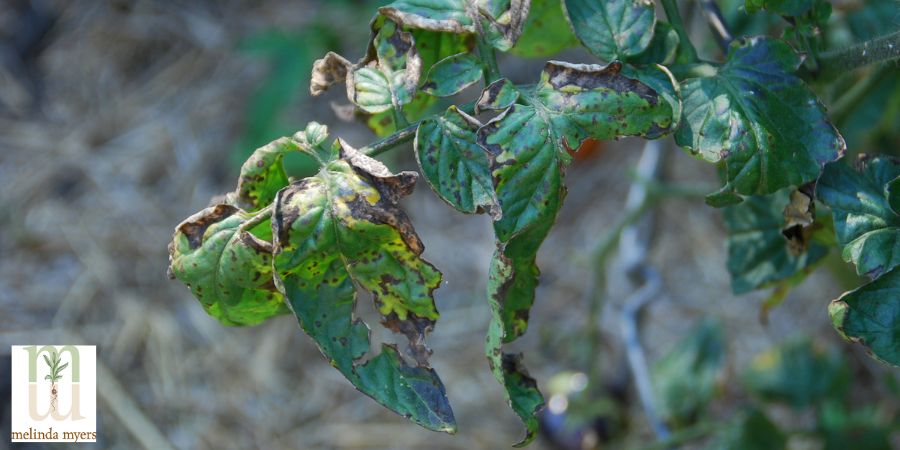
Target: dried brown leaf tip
[(799, 215), (327, 71)]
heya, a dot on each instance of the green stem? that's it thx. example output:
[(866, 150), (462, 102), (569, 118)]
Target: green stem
[(687, 53), (850, 100), (399, 119), (260, 217), (489, 57), (388, 142), (693, 70), (879, 50)]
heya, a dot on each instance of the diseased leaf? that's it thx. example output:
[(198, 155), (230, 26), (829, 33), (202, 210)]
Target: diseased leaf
[(528, 145), (759, 255), (867, 227), (343, 229), (685, 379), (612, 29), (497, 96), (798, 374), (227, 268), (262, 175), (453, 74), (870, 315), (386, 78), (571, 102), (500, 22), (758, 121), (546, 32), (455, 166)]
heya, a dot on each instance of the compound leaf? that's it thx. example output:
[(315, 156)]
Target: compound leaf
[(227, 268), (453, 163), (758, 121), (527, 143), (343, 229), (759, 255), (453, 74), (867, 227), (612, 29), (870, 315)]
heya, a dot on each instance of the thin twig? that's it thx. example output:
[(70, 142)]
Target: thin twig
[(260, 217)]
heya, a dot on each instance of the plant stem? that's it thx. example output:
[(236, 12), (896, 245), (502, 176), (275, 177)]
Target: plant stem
[(850, 100), (399, 119), (716, 23), (258, 218), (388, 142), (687, 53), (693, 70), (489, 57), (879, 50)]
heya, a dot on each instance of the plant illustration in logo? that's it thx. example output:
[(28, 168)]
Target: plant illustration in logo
[(55, 375)]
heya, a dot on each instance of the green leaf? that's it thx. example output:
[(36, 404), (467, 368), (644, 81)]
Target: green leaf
[(60, 368), (798, 374), (758, 121), (662, 48), (867, 227), (793, 8), (502, 21), (892, 192), (453, 163), (546, 32), (528, 144), (263, 175), (343, 230), (759, 255), (752, 431), (870, 315), (685, 379), (453, 74), (613, 29), (228, 269), (47, 360)]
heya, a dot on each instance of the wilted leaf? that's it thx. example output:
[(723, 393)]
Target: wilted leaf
[(759, 255), (546, 32), (867, 227), (455, 166), (870, 315), (612, 29), (343, 229), (502, 21), (386, 78), (798, 374), (228, 269), (685, 379), (453, 74), (758, 121)]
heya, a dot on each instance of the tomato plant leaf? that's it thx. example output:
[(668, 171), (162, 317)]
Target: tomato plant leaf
[(758, 121), (228, 269), (613, 29), (798, 374), (343, 229), (662, 47), (497, 96), (870, 315), (502, 21), (685, 379), (453, 163), (759, 255), (867, 227), (453, 74), (546, 32)]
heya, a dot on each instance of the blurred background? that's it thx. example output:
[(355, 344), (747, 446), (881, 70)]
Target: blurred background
[(118, 119)]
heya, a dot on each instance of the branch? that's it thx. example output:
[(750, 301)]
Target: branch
[(687, 53), (879, 50), (386, 143)]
